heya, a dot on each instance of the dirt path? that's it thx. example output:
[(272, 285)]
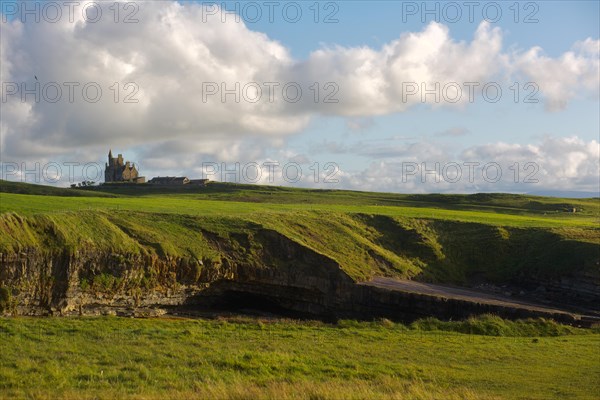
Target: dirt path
[(452, 292)]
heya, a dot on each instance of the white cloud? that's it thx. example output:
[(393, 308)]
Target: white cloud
[(574, 73), (376, 82), (168, 55), (173, 50), (554, 163)]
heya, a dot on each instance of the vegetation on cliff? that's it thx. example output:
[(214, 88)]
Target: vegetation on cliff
[(452, 238)]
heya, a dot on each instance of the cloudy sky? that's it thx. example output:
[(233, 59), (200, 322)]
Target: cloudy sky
[(385, 96)]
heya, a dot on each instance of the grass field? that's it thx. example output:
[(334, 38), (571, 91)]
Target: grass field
[(442, 238), (229, 199), (109, 357), (28, 205)]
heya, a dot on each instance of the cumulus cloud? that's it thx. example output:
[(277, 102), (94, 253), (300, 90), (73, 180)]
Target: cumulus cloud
[(394, 78), (555, 163), (168, 56), (174, 51), (564, 78)]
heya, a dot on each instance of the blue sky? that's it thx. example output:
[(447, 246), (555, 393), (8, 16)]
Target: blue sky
[(370, 51), (373, 23), (559, 25)]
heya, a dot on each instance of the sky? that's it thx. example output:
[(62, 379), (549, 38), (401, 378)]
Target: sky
[(394, 96)]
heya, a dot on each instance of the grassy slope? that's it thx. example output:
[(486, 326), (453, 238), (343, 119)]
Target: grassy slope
[(443, 238), (107, 358), (448, 237), (496, 202), (27, 188)]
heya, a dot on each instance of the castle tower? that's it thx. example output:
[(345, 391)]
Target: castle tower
[(117, 170)]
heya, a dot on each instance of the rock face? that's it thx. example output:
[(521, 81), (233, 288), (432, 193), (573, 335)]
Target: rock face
[(282, 274), (91, 282)]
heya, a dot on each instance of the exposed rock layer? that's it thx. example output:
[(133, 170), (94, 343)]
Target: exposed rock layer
[(288, 277)]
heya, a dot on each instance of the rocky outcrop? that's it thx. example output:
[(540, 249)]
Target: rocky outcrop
[(85, 282), (579, 290), (282, 274)]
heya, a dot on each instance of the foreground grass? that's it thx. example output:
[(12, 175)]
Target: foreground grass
[(108, 358)]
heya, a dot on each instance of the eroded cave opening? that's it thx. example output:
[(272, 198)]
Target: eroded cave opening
[(229, 298), (248, 303)]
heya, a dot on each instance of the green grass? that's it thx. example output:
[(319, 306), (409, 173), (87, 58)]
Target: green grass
[(33, 204), (106, 358), (442, 238), (363, 245), (43, 190), (548, 207)]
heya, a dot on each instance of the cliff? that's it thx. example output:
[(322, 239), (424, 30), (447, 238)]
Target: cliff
[(92, 262)]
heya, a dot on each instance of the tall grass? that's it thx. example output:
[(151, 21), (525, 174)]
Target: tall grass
[(242, 358)]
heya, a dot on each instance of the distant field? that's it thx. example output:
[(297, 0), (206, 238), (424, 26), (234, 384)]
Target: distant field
[(192, 205), (108, 358), (495, 202)]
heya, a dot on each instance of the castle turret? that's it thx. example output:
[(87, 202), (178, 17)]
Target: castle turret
[(117, 170)]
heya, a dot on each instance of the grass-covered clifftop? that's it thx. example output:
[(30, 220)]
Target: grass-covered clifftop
[(442, 238)]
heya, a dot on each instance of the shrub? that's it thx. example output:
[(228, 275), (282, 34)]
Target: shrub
[(4, 298), (492, 325), (104, 282)]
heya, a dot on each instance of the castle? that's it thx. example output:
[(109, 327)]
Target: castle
[(119, 171)]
